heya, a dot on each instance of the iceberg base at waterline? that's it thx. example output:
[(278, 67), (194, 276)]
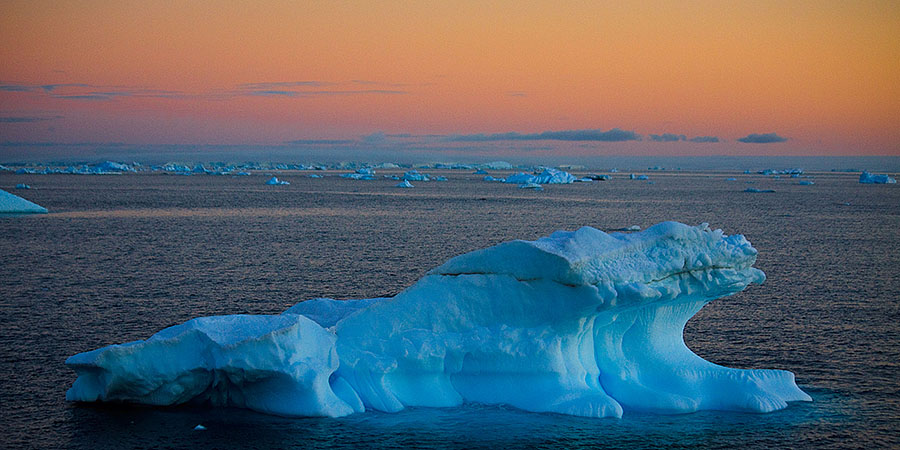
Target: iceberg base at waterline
[(580, 322)]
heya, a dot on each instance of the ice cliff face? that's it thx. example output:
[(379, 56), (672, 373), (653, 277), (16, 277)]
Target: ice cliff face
[(583, 323), (14, 204)]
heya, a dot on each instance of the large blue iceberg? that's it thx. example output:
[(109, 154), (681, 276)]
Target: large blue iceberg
[(583, 323)]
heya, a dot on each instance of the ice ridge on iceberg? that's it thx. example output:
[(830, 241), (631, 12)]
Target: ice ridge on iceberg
[(580, 322)]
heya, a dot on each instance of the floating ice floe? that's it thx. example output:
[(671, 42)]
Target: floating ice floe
[(276, 181), (871, 178), (806, 182), (480, 172), (630, 228), (759, 191), (534, 186), (731, 179), (13, 204), (490, 178), (596, 177), (780, 172), (580, 322), (22, 186), (404, 184), (638, 177)]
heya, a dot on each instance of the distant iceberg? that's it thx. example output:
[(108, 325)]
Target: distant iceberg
[(498, 165), (580, 322), (404, 184), (360, 174), (13, 204), (414, 175), (871, 178), (547, 176), (276, 181)]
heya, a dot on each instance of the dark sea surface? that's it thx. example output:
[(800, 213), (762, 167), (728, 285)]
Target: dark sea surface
[(121, 257)]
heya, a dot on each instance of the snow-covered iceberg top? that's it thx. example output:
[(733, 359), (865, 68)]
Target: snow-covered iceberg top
[(13, 204), (579, 322)]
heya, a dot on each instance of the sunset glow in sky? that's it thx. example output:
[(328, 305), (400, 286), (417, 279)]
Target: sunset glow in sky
[(667, 78)]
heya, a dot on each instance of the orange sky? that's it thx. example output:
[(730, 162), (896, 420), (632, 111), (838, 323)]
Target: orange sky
[(823, 75)]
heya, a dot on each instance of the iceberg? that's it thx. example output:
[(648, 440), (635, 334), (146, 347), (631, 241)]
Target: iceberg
[(275, 181), (871, 178), (404, 184), (414, 175), (580, 322), (360, 174), (547, 176), (13, 204)]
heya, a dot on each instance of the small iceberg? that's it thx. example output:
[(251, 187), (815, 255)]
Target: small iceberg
[(13, 204), (638, 177), (360, 174), (547, 176), (731, 179), (404, 184), (758, 191), (872, 178), (805, 182), (275, 181), (414, 175), (22, 186), (631, 228)]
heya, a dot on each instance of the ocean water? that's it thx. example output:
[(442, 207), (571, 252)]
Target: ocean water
[(121, 257)]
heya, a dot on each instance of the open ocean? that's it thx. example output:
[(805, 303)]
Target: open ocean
[(121, 257)]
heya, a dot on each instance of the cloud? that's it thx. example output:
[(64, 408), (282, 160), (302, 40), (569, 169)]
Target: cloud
[(379, 83), (668, 137), (766, 138), (613, 135), (28, 119), (17, 88), (286, 93), (283, 84), (294, 89), (320, 142), (53, 87), (704, 139)]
